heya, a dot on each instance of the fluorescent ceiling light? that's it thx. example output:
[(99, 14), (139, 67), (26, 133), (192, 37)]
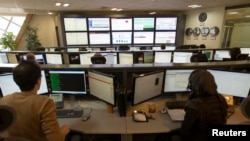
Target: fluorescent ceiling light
[(58, 4), (248, 16), (195, 6), (152, 13), (66, 5), (233, 13)]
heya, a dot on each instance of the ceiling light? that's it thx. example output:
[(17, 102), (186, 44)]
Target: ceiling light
[(113, 9), (119, 9), (66, 5), (152, 13), (248, 16), (50, 13), (195, 6), (233, 13), (58, 4)]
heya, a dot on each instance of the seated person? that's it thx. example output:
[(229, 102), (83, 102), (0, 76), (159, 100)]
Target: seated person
[(30, 56), (98, 59), (199, 57), (234, 52), (36, 113), (163, 46)]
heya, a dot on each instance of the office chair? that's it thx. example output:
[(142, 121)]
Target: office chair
[(245, 107), (40, 49), (7, 117), (242, 56), (199, 57), (98, 59), (124, 48)]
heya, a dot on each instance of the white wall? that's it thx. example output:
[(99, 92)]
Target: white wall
[(240, 35), (215, 17), (46, 31)]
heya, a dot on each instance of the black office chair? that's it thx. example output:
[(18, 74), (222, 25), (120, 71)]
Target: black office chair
[(242, 57), (98, 59), (7, 117), (245, 107), (199, 57), (124, 47)]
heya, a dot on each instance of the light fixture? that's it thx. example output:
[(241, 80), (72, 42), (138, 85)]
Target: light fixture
[(66, 5), (58, 4), (248, 16), (233, 13), (116, 9), (195, 6), (152, 13), (50, 13)]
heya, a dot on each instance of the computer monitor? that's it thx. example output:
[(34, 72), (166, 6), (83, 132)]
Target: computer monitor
[(245, 50), (209, 54), (146, 37), (12, 57), (98, 24), (40, 59), (3, 58), (54, 58), (102, 86), (162, 57), (125, 57), (176, 80), (111, 57), (165, 37), (144, 23), (147, 86), (99, 38), (121, 23), (8, 85), (220, 54), (182, 57), (68, 81), (166, 23), (85, 58), (119, 38), (232, 83)]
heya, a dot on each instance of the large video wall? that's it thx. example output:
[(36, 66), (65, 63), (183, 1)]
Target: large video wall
[(114, 31)]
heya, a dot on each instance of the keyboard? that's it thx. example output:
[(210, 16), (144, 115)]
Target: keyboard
[(69, 113), (175, 104)]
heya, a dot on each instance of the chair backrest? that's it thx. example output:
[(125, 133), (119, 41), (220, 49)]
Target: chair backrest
[(199, 57), (245, 107), (242, 56)]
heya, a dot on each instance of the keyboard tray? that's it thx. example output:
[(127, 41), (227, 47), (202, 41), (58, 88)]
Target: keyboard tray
[(69, 113), (175, 104)]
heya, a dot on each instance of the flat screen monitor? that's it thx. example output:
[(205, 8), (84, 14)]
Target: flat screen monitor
[(54, 58), (148, 57), (40, 59), (121, 37), (75, 24), (166, 23), (99, 38), (176, 80), (68, 81), (165, 37), (3, 58), (85, 58), (232, 83), (143, 37), (144, 24), (162, 57), (76, 38), (74, 58), (245, 50), (8, 85), (111, 58), (125, 57), (182, 57), (121, 24), (98, 24), (12, 58), (220, 54), (147, 86), (209, 54), (102, 86)]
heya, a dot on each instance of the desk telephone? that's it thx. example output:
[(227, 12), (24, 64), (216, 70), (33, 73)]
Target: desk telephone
[(58, 100)]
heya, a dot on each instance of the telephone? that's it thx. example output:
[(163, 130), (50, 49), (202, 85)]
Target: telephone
[(140, 116), (58, 100)]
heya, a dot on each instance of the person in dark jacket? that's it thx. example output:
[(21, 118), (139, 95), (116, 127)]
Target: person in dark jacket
[(204, 108)]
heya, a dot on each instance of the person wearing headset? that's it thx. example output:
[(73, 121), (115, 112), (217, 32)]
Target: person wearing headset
[(204, 108)]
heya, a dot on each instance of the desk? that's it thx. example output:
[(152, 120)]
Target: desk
[(102, 122)]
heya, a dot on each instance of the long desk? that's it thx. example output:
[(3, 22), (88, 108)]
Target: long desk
[(102, 122)]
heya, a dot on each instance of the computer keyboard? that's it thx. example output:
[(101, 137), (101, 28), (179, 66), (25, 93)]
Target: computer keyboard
[(69, 113), (175, 104)]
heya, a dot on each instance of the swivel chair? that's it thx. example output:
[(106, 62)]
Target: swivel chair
[(199, 57), (245, 107), (98, 59), (242, 57), (7, 117)]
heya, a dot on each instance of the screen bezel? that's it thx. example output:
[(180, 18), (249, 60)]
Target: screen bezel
[(113, 103)]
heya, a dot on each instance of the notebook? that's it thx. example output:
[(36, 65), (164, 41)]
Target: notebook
[(176, 114)]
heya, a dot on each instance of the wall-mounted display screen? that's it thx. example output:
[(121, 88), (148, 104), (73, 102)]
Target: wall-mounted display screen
[(54, 58), (220, 54), (168, 23), (97, 38), (121, 37), (3, 57), (75, 24), (162, 57), (77, 38), (144, 24), (182, 57), (98, 24), (165, 37), (85, 58), (121, 23), (143, 37)]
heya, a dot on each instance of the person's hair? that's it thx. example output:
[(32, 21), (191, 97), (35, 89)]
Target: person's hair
[(202, 83), (163, 46), (26, 74), (234, 52), (30, 56)]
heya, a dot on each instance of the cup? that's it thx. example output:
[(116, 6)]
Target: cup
[(152, 108)]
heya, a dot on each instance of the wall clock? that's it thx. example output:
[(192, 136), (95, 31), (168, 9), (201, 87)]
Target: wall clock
[(203, 17), (196, 31), (204, 31), (214, 31), (189, 31)]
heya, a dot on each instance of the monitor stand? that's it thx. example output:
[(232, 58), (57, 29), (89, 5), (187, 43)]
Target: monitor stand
[(73, 102)]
